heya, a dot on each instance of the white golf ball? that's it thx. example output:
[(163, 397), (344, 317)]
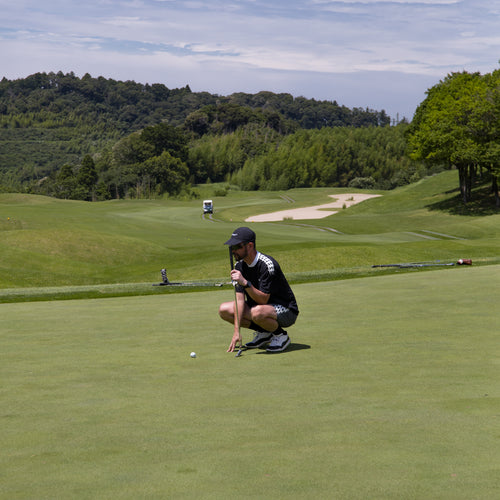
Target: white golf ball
[(193, 355)]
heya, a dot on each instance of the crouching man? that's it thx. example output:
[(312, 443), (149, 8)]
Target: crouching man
[(265, 301)]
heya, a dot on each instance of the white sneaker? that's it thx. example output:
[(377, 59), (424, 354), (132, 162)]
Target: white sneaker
[(260, 339), (279, 343)]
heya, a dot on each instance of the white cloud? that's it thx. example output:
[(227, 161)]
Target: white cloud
[(125, 22), (378, 2), (315, 48)]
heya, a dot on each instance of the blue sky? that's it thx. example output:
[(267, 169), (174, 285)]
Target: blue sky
[(366, 53)]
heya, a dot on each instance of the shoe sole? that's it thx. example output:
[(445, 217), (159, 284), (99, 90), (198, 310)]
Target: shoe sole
[(280, 349), (263, 343)]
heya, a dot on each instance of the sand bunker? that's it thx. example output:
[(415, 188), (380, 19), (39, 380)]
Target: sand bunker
[(316, 212)]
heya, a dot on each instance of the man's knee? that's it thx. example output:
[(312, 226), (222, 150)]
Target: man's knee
[(226, 310), (262, 312)]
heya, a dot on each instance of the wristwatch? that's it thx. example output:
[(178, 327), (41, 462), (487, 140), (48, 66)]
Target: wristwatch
[(248, 285)]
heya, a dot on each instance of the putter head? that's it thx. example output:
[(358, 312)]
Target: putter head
[(240, 351)]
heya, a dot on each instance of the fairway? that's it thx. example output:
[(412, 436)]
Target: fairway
[(62, 243), (390, 390)]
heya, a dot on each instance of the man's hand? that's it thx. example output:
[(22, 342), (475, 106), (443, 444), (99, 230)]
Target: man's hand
[(237, 277), (235, 341)]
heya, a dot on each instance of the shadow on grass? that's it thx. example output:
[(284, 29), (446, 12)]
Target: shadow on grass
[(292, 347), (297, 347), (482, 203)]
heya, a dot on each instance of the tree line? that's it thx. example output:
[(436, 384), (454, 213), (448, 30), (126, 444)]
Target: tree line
[(51, 122), (163, 159), (97, 139), (371, 157), (54, 98)]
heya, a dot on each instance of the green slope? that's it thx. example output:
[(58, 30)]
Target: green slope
[(48, 242)]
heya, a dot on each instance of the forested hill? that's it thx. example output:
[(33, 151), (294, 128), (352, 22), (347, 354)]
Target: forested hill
[(50, 98), (48, 120)]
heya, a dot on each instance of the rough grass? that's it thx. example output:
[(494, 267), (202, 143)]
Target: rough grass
[(390, 390)]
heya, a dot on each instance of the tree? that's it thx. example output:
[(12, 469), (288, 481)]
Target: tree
[(165, 172), (486, 126), (440, 132), (65, 183), (132, 149), (87, 177), (197, 122), (164, 137), (458, 125)]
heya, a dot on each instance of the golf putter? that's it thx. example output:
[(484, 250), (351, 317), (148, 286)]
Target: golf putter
[(237, 319), (236, 314)]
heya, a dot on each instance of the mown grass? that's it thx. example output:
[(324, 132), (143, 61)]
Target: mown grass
[(47, 243), (390, 390)]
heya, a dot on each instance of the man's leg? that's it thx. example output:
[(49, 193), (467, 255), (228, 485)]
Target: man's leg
[(264, 322), (261, 337), (279, 316), (226, 312), (265, 317)]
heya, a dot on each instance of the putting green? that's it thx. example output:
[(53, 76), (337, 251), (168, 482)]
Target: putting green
[(390, 391)]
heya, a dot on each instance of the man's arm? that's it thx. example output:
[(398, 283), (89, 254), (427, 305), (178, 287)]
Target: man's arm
[(240, 305), (255, 293)]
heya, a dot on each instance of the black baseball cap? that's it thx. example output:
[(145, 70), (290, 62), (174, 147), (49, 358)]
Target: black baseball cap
[(241, 235)]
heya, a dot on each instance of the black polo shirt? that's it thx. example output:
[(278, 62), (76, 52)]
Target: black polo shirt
[(266, 275)]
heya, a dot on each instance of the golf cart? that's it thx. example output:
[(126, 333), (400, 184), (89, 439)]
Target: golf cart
[(208, 207)]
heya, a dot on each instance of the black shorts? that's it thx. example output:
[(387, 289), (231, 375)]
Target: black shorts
[(285, 316)]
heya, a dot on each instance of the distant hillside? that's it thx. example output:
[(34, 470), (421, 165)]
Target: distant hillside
[(49, 119)]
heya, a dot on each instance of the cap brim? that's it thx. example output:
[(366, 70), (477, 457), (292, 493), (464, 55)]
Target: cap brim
[(234, 241)]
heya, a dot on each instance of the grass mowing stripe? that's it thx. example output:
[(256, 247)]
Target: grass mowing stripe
[(398, 395), (49, 242)]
